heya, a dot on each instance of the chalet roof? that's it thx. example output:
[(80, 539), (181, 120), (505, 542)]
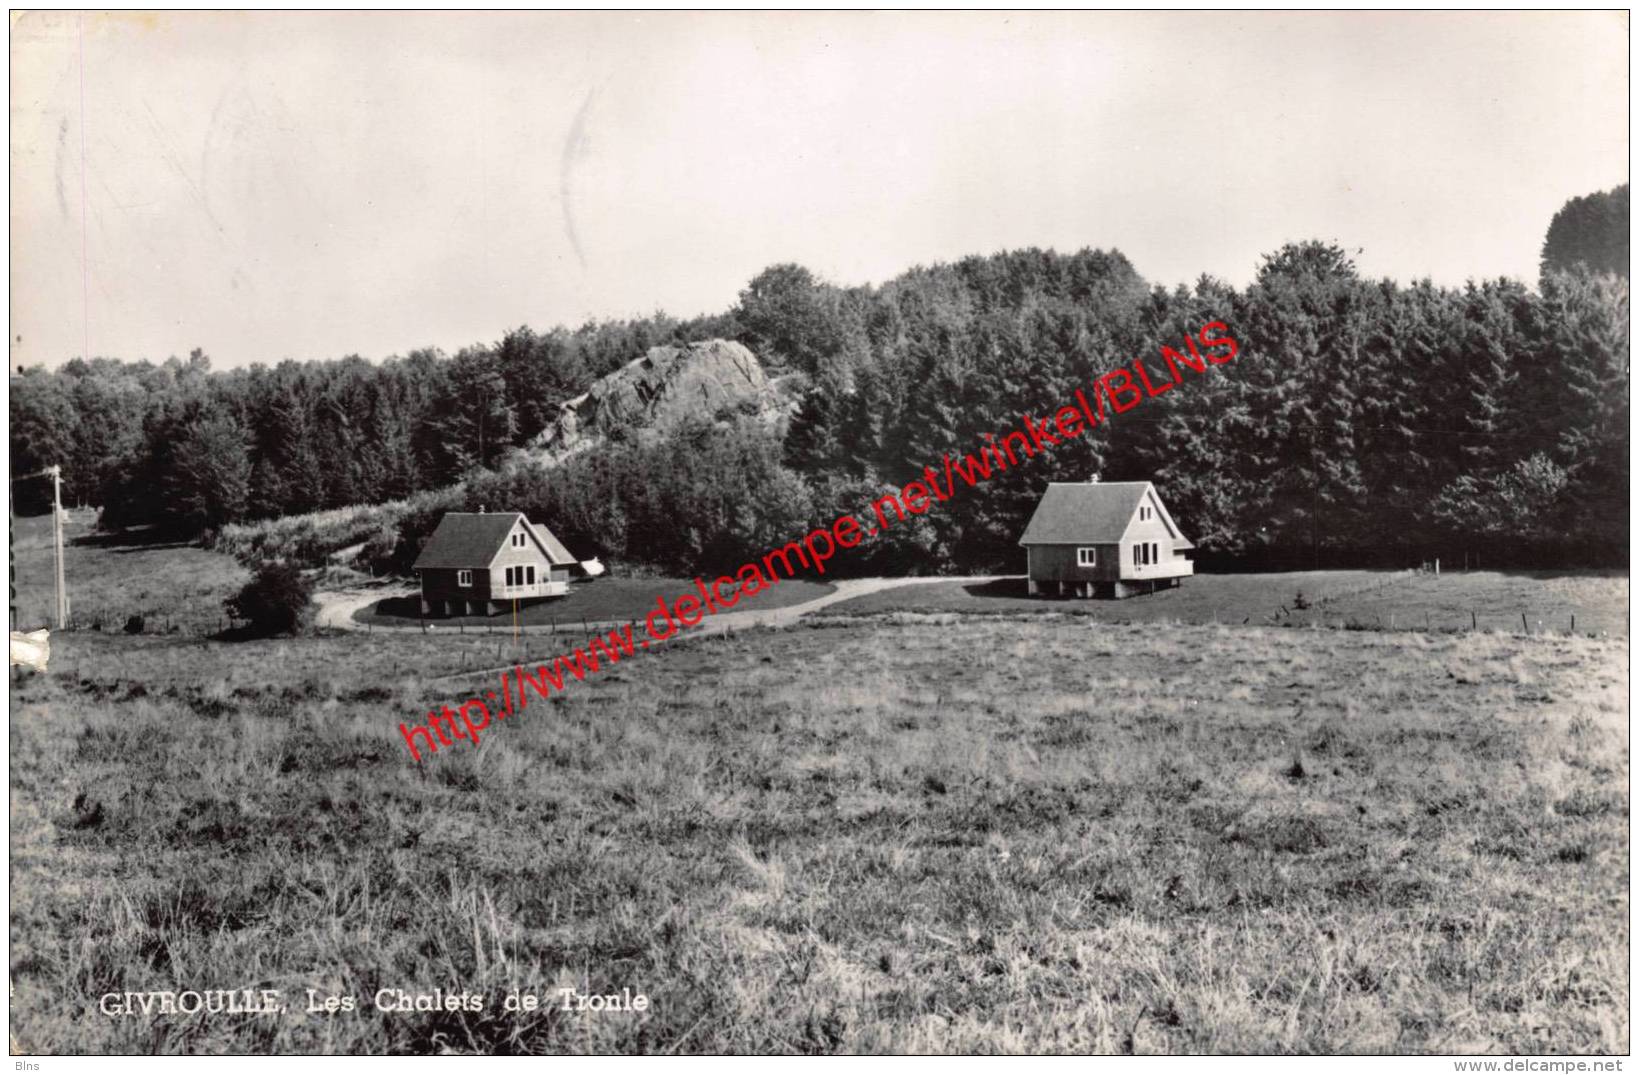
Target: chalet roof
[(556, 551), (1091, 513), (471, 540)]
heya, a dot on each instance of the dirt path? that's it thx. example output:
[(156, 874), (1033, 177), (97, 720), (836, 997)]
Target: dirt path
[(846, 590), (337, 608)]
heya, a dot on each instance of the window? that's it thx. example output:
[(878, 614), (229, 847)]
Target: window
[(509, 576), (518, 540), (1143, 514), (1136, 555), (530, 571), (1086, 557), (463, 578), (1155, 552)]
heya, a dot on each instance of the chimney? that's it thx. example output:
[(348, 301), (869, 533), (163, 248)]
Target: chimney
[(1094, 478), (481, 507)]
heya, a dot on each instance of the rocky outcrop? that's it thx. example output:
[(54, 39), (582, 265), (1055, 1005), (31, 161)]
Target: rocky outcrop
[(714, 380)]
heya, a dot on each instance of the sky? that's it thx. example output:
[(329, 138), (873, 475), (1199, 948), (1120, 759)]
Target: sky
[(311, 185)]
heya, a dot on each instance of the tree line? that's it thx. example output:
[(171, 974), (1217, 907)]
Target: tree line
[(1363, 421), (176, 445)]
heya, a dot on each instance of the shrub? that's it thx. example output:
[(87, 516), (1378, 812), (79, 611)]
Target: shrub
[(274, 601)]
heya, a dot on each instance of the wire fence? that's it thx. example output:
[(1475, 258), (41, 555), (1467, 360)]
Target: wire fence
[(205, 623), (133, 620), (1393, 602), (1375, 610)]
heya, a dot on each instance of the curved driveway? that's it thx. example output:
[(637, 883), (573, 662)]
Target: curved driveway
[(337, 608)]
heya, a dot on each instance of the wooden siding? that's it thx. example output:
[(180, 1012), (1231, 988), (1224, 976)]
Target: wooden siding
[(1153, 530), (515, 556), (440, 583), (1057, 563)]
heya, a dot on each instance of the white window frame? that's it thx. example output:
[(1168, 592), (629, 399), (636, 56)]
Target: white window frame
[(530, 570), (1087, 556), (463, 578)]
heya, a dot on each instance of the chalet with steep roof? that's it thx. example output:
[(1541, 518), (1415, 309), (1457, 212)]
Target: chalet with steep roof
[(1104, 539), (478, 562)]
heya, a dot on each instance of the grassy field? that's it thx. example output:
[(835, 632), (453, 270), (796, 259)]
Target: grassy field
[(1598, 600), (944, 832), (172, 585), (990, 834), (605, 598)]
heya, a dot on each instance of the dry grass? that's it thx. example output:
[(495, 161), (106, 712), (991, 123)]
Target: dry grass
[(983, 834)]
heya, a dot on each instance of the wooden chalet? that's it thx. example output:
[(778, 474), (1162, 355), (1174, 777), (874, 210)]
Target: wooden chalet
[(1103, 539), (478, 562)]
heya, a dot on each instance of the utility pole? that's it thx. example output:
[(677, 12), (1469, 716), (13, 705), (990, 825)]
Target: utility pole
[(57, 533), (55, 473)]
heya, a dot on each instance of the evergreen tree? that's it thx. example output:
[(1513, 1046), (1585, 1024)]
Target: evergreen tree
[(789, 317), (208, 483), (1590, 232)]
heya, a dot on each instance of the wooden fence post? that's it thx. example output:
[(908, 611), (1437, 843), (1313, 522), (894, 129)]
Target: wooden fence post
[(1473, 621), (1523, 625)]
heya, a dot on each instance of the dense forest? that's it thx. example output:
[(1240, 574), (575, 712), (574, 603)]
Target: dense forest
[(1363, 421)]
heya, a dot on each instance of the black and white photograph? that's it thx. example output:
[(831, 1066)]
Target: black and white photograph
[(921, 532)]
